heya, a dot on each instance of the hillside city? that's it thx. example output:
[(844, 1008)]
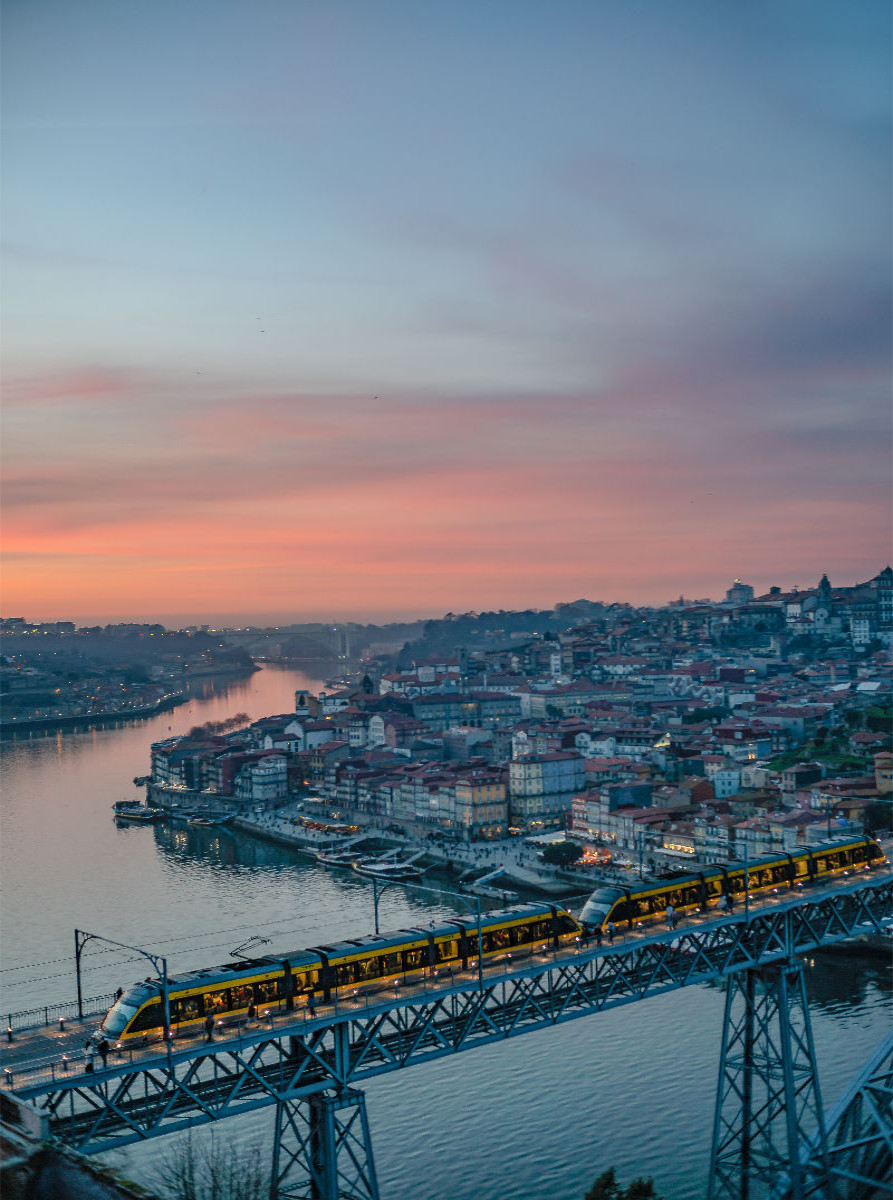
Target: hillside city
[(683, 733)]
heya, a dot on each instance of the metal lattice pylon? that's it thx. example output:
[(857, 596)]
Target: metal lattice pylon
[(322, 1149), (768, 1106), (860, 1134)]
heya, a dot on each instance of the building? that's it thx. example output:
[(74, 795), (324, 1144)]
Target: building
[(739, 593), (481, 808), (542, 787)]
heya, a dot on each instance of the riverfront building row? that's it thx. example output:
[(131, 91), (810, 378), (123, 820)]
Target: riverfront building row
[(669, 733)]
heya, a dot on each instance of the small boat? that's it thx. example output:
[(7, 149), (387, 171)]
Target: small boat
[(133, 810), (339, 858), (382, 869), (213, 822)]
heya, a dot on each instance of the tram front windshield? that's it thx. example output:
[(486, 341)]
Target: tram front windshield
[(125, 1009), (599, 904)]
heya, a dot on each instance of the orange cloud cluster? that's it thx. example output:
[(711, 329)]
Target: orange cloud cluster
[(150, 499)]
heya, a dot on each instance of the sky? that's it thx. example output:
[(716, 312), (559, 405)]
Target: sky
[(377, 310)]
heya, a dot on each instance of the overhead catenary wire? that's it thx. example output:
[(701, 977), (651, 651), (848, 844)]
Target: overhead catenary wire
[(322, 930)]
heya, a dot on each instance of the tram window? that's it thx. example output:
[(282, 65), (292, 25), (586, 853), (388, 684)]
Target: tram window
[(216, 1002), (369, 968), (416, 958), (445, 951), (149, 1018), (186, 1009), (500, 939), (390, 964), (241, 996), (565, 924), (267, 992), (344, 973)]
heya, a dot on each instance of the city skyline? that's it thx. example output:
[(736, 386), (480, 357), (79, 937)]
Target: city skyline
[(737, 594), (334, 312)]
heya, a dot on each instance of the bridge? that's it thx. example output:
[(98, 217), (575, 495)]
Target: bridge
[(298, 643), (769, 1121)]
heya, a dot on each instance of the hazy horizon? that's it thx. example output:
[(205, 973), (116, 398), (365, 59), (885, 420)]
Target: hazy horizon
[(274, 619)]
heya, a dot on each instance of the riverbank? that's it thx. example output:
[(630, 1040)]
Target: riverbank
[(88, 719), (516, 862), (116, 716)]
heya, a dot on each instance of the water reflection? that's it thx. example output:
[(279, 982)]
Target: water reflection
[(841, 980), (224, 848)]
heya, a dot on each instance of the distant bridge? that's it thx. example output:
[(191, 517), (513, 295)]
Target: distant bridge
[(309, 1068), (296, 643)]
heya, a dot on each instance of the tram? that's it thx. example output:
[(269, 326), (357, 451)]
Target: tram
[(365, 964), (618, 903)]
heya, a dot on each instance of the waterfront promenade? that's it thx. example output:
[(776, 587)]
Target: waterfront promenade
[(516, 856)]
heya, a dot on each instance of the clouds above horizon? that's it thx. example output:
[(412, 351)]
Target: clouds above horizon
[(439, 306)]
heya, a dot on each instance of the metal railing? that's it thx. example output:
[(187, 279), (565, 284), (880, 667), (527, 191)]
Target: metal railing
[(50, 1014)]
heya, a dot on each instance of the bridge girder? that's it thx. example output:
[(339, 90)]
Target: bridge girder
[(338, 1049)]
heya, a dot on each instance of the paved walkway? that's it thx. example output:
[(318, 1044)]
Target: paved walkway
[(520, 860)]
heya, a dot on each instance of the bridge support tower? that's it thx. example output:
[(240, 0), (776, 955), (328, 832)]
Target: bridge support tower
[(322, 1149), (768, 1106)]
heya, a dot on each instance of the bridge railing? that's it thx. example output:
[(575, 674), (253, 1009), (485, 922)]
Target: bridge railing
[(65, 1010)]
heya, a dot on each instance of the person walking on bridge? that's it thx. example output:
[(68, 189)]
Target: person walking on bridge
[(103, 1047)]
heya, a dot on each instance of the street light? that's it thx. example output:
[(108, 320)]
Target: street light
[(158, 962), (378, 888)]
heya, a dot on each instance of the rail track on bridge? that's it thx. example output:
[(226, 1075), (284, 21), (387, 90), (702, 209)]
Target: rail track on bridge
[(158, 1091)]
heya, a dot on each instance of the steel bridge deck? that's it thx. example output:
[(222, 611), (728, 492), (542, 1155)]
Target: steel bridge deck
[(157, 1093)]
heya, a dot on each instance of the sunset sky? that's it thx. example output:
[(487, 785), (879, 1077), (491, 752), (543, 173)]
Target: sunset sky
[(381, 309)]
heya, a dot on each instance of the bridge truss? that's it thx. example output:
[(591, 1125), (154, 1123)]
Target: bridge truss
[(858, 1140), (310, 1068)]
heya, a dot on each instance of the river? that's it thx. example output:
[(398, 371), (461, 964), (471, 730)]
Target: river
[(536, 1118)]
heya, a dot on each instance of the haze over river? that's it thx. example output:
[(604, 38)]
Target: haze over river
[(536, 1118)]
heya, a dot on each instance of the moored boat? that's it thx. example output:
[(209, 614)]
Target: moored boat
[(133, 810), (382, 869), (339, 858)]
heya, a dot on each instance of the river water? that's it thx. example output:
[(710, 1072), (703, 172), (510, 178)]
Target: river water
[(534, 1119)]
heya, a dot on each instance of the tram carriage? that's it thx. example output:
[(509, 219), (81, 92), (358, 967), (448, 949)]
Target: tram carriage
[(373, 962), (364, 964), (618, 903)]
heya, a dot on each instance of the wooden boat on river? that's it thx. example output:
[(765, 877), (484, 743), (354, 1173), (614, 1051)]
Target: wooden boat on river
[(388, 870), (133, 810)]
